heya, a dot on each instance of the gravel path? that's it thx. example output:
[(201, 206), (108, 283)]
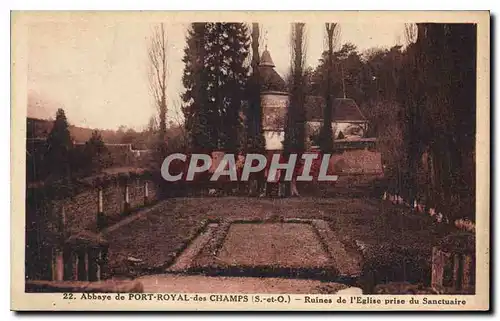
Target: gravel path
[(167, 283)]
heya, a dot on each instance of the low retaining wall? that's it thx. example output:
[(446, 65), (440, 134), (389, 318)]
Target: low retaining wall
[(74, 207), (357, 161), (57, 213), (110, 286)]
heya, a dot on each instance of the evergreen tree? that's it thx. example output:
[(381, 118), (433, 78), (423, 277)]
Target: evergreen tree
[(439, 95), (59, 147), (215, 77), (95, 153), (228, 49), (195, 97)]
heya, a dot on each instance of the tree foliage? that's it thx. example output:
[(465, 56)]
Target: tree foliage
[(158, 70), (215, 79), (295, 121), (440, 113), (326, 134), (59, 147), (253, 113), (420, 103), (195, 95), (95, 154)]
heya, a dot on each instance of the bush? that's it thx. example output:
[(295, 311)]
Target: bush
[(458, 242), (388, 263)]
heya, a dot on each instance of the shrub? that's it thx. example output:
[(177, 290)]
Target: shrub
[(388, 263)]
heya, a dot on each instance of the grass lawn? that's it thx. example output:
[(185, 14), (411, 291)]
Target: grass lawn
[(155, 236)]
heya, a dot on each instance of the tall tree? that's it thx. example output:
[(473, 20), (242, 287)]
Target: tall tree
[(255, 134), (347, 77), (158, 70), (59, 147), (326, 134), (152, 124), (95, 153), (195, 98), (295, 122), (442, 118), (228, 45), (215, 78)]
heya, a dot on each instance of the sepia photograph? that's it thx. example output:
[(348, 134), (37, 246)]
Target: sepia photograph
[(246, 158)]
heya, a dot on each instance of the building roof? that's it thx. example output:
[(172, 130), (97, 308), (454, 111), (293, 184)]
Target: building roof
[(344, 109), (266, 60), (270, 80)]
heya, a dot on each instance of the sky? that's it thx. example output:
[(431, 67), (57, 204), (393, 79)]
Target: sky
[(98, 72)]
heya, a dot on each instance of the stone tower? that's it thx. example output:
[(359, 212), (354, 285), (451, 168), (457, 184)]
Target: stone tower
[(274, 101)]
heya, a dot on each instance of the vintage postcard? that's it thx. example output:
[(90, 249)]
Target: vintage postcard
[(250, 161)]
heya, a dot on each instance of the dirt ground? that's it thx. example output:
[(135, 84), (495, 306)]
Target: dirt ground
[(358, 220), (284, 244), (168, 283)]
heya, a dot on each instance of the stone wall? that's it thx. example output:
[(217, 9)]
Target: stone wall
[(153, 191), (136, 190), (113, 199), (356, 161), (79, 212), (56, 213), (349, 162)]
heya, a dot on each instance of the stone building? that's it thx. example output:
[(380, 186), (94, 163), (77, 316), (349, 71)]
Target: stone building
[(348, 121), (274, 100)]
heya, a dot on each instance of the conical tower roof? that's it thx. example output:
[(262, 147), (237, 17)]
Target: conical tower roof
[(270, 80), (266, 60)]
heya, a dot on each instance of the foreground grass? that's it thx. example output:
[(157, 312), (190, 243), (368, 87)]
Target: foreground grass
[(357, 220)]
